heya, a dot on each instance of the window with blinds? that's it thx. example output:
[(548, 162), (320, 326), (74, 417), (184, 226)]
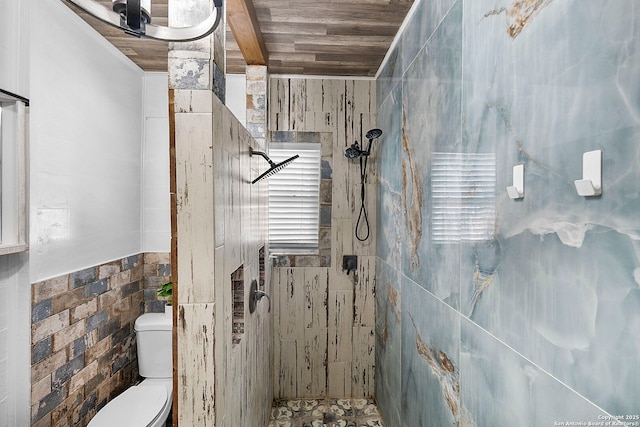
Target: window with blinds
[(13, 173), (294, 199), (463, 192)]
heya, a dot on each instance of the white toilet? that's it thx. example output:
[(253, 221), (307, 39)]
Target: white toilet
[(147, 404)]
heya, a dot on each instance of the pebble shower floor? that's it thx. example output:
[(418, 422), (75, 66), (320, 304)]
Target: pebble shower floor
[(325, 413)]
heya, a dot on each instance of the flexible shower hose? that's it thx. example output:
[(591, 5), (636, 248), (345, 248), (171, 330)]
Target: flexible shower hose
[(363, 208)]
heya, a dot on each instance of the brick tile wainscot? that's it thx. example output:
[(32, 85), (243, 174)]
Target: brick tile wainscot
[(83, 346)]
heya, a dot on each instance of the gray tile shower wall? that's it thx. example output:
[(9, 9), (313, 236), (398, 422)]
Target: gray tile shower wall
[(83, 342)]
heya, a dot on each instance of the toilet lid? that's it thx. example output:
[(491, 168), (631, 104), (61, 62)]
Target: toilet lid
[(137, 406)]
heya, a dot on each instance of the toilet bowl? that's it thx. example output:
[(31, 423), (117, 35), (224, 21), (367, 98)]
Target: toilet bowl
[(144, 405), (147, 404)]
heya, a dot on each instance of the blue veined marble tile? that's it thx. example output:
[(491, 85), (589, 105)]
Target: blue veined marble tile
[(563, 266), (430, 359), (566, 308), (501, 388), (390, 75), (423, 23), (570, 73), (389, 226), (439, 272), (432, 88), (560, 281), (431, 123), (389, 154), (388, 343), (478, 272)]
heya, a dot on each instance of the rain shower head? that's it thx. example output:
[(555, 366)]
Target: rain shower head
[(275, 167), (354, 152)]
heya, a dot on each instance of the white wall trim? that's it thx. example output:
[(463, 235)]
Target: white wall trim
[(396, 39)]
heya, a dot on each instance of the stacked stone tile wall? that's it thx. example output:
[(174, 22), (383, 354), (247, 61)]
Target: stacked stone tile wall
[(157, 271), (83, 343)]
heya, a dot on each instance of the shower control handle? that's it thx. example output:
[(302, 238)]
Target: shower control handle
[(256, 295), (260, 294), (349, 263)]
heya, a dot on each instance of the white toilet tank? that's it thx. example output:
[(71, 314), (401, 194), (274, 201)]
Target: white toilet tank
[(153, 333)]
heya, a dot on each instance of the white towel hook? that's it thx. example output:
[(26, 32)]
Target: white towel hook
[(591, 183), (516, 191)]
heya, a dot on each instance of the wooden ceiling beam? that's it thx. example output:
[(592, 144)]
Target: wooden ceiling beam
[(243, 21)]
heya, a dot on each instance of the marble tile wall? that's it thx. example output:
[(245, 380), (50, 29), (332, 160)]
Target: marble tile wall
[(539, 325), (324, 318), (221, 228), (83, 350)]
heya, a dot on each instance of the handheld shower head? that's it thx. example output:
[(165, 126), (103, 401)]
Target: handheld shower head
[(275, 167), (354, 152), (373, 134)]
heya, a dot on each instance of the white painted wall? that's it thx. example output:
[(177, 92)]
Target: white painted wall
[(156, 214), (236, 96), (86, 146), (14, 52)]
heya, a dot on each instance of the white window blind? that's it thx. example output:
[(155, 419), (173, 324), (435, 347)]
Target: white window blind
[(294, 195), (463, 190)]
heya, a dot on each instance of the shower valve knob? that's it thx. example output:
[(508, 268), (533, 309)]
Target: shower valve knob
[(349, 263)]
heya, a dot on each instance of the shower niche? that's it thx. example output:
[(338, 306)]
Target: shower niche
[(237, 293)]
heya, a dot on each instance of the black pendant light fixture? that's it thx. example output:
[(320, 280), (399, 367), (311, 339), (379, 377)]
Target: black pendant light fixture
[(134, 18)]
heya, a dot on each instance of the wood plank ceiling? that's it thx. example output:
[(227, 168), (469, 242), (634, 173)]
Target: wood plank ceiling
[(150, 55), (307, 37)]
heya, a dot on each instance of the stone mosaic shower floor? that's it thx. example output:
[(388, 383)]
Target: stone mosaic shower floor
[(325, 413)]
